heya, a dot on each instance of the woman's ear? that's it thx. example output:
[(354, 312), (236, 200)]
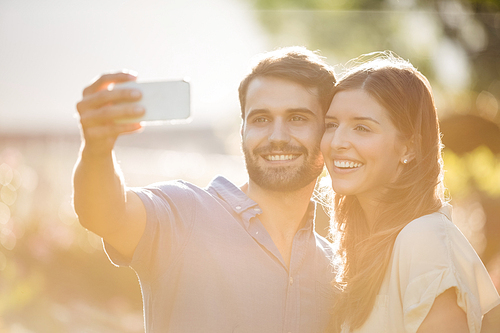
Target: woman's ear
[(409, 151)]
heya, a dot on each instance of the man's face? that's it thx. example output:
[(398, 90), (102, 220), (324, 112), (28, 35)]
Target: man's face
[(281, 134)]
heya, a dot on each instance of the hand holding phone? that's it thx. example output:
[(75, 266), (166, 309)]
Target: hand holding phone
[(164, 101)]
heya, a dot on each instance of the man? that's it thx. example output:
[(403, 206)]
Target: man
[(221, 259)]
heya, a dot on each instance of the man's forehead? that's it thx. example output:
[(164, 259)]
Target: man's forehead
[(278, 80), (271, 92)]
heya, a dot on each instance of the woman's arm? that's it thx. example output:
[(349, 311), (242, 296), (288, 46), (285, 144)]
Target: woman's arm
[(445, 315)]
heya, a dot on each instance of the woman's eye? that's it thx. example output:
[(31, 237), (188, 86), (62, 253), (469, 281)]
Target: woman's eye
[(362, 128), (331, 125)]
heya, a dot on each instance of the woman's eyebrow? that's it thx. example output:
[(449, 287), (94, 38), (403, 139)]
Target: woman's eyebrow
[(366, 118), (356, 118)]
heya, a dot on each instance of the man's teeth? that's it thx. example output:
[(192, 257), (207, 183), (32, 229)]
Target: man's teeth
[(346, 164), (280, 157)]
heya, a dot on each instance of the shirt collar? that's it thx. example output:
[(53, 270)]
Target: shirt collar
[(231, 194), (446, 210), (311, 216), (246, 207)]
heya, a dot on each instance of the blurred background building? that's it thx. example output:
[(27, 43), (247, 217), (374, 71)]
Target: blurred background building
[(54, 276)]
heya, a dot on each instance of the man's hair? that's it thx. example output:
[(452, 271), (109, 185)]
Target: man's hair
[(296, 64)]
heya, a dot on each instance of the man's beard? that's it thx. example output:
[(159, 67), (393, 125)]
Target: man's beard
[(284, 178)]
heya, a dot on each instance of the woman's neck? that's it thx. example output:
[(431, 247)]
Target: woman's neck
[(371, 209)]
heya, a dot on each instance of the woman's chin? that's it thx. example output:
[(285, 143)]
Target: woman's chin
[(342, 190)]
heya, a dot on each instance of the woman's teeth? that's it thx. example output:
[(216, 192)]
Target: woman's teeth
[(346, 164)]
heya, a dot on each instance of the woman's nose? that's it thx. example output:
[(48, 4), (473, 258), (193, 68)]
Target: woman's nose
[(340, 139)]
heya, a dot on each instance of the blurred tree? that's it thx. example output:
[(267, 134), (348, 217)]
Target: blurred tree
[(456, 43)]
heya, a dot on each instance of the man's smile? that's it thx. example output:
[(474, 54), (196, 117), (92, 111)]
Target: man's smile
[(280, 157)]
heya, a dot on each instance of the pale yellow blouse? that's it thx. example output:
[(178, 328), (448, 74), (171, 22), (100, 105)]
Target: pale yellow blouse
[(430, 255)]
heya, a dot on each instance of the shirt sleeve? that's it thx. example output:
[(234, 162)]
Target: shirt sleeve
[(433, 256), (170, 209)]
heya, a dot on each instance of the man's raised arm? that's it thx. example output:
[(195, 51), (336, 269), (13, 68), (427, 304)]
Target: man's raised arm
[(100, 199)]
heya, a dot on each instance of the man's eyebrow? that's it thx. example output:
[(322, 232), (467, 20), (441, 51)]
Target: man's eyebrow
[(257, 111), (301, 110), (291, 110)]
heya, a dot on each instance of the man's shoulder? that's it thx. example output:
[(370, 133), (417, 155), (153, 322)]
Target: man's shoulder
[(218, 189), (183, 185), (169, 185), (177, 190)]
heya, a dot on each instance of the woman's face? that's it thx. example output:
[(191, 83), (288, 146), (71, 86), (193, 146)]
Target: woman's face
[(361, 147)]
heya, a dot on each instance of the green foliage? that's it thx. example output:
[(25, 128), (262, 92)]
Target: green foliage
[(344, 30), (478, 170), (18, 289), (456, 177), (317, 4), (490, 5)]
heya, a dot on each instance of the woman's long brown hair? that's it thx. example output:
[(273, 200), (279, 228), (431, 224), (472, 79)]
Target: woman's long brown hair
[(365, 254)]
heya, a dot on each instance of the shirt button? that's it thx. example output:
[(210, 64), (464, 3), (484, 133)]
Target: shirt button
[(290, 280), (238, 207)]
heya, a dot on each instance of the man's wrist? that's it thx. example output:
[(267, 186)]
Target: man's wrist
[(93, 151)]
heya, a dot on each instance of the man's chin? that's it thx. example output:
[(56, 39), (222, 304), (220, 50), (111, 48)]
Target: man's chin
[(281, 182), (278, 186)]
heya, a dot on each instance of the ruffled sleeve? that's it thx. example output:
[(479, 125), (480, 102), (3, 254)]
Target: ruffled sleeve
[(433, 256)]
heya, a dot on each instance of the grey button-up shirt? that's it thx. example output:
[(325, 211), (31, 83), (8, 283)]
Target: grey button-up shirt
[(207, 264)]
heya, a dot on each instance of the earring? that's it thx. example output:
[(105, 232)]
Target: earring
[(405, 161)]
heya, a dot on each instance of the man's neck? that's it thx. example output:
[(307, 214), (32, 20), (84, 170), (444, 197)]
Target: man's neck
[(282, 213)]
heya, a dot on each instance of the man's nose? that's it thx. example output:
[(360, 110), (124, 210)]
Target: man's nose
[(279, 132)]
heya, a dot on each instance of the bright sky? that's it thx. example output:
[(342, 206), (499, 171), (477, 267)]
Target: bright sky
[(50, 50)]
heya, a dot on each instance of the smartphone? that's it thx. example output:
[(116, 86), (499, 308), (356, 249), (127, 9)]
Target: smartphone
[(164, 101)]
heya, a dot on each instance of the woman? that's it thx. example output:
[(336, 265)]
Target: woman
[(405, 267)]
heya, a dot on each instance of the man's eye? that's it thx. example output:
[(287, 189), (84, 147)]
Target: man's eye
[(297, 118), (260, 120)]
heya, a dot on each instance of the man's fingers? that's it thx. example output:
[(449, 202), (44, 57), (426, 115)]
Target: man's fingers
[(101, 139), (103, 97), (108, 113), (105, 80), (110, 131), (100, 107)]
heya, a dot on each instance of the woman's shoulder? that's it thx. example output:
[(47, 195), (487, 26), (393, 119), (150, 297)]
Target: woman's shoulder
[(430, 256), (428, 229), (433, 243)]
